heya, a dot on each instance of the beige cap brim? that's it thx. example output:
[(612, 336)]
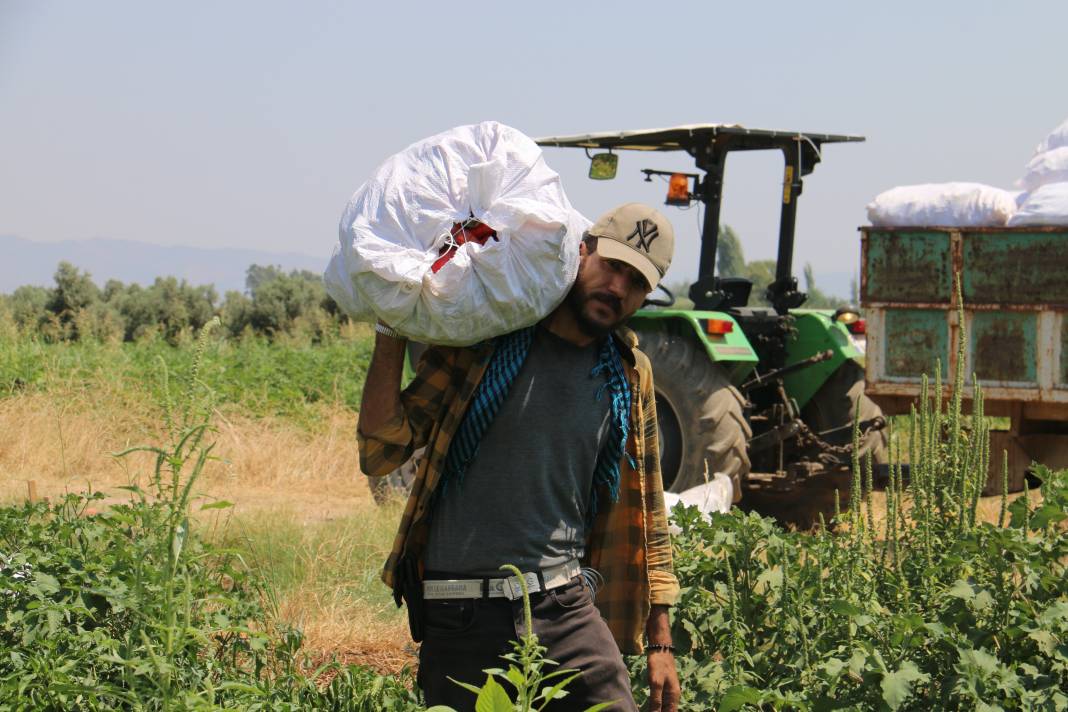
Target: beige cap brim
[(615, 250)]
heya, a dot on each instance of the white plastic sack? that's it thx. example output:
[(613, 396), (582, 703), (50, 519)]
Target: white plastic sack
[(397, 223), (1045, 168), (1047, 205), (715, 495), (942, 204), (1057, 138)]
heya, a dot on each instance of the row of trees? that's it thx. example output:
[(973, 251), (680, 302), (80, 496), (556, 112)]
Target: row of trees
[(274, 303)]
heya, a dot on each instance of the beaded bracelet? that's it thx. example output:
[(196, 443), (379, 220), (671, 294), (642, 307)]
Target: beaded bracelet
[(660, 648)]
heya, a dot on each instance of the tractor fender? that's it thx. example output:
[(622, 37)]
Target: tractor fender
[(730, 348), (814, 331)]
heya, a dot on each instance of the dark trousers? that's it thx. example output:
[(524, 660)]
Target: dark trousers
[(464, 637)]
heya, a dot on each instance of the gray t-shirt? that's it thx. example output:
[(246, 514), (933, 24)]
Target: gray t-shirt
[(525, 496)]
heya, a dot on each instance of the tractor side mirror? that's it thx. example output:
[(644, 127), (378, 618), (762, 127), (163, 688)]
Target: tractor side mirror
[(603, 166)]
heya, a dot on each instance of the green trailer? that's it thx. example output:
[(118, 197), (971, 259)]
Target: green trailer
[(1014, 284)]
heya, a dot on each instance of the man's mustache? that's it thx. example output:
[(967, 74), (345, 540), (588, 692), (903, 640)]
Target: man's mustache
[(611, 300)]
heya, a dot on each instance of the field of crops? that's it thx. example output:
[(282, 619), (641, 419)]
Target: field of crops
[(227, 558)]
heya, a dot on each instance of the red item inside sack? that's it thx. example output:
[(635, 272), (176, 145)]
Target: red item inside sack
[(469, 231)]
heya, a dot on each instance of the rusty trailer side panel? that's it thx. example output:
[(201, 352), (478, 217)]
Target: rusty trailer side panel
[(1015, 288)]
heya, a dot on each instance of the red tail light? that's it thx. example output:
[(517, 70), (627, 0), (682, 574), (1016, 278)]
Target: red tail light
[(718, 327)]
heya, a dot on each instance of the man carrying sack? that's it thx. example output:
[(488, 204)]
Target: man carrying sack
[(541, 452)]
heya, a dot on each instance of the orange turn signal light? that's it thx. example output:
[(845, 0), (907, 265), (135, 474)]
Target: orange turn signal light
[(719, 327), (678, 190)]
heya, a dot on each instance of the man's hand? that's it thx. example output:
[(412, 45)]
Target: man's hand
[(664, 688)]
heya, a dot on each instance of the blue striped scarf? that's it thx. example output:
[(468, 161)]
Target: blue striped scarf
[(508, 358)]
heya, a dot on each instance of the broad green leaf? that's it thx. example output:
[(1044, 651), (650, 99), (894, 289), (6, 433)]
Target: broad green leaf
[(983, 600), (47, 583), (897, 686), (833, 667), (440, 708), (962, 589), (1046, 514), (1046, 641), (978, 660), (1057, 611), (493, 698), (738, 696), (845, 608), (221, 504)]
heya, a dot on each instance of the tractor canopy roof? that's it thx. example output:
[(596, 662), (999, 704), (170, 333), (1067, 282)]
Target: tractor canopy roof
[(689, 137)]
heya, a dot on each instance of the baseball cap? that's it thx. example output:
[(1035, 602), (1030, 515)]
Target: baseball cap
[(638, 235)]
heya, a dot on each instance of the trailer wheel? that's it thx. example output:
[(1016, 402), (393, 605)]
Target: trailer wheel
[(699, 412), (835, 403)]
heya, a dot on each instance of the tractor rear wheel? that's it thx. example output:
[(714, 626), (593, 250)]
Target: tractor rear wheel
[(700, 414), (833, 407)]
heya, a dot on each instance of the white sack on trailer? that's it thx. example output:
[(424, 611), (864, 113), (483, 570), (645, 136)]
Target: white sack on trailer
[(1057, 138), (1047, 205), (399, 222), (1045, 168), (942, 204)]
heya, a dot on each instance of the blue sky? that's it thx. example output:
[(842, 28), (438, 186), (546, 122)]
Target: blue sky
[(249, 124)]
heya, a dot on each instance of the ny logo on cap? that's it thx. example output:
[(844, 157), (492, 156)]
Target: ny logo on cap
[(646, 231)]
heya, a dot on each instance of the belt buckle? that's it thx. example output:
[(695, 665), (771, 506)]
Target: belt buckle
[(513, 589)]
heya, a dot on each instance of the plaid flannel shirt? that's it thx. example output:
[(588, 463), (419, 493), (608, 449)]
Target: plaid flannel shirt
[(628, 544)]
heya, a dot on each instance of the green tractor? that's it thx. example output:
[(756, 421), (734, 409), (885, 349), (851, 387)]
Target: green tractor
[(766, 396)]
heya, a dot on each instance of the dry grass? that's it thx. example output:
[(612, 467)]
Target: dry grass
[(988, 510), (302, 510), (64, 444)]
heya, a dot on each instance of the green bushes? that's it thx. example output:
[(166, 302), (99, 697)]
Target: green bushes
[(932, 610), (75, 309), (288, 378), (128, 608)]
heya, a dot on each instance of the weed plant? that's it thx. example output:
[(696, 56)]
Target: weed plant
[(129, 608), (932, 610)]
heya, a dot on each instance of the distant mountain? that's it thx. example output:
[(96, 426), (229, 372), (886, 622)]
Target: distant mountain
[(27, 262)]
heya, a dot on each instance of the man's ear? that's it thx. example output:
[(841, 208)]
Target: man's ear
[(583, 249)]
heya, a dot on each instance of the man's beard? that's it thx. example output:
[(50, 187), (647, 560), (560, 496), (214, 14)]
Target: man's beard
[(577, 300)]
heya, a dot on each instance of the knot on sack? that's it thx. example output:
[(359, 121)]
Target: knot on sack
[(470, 230)]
